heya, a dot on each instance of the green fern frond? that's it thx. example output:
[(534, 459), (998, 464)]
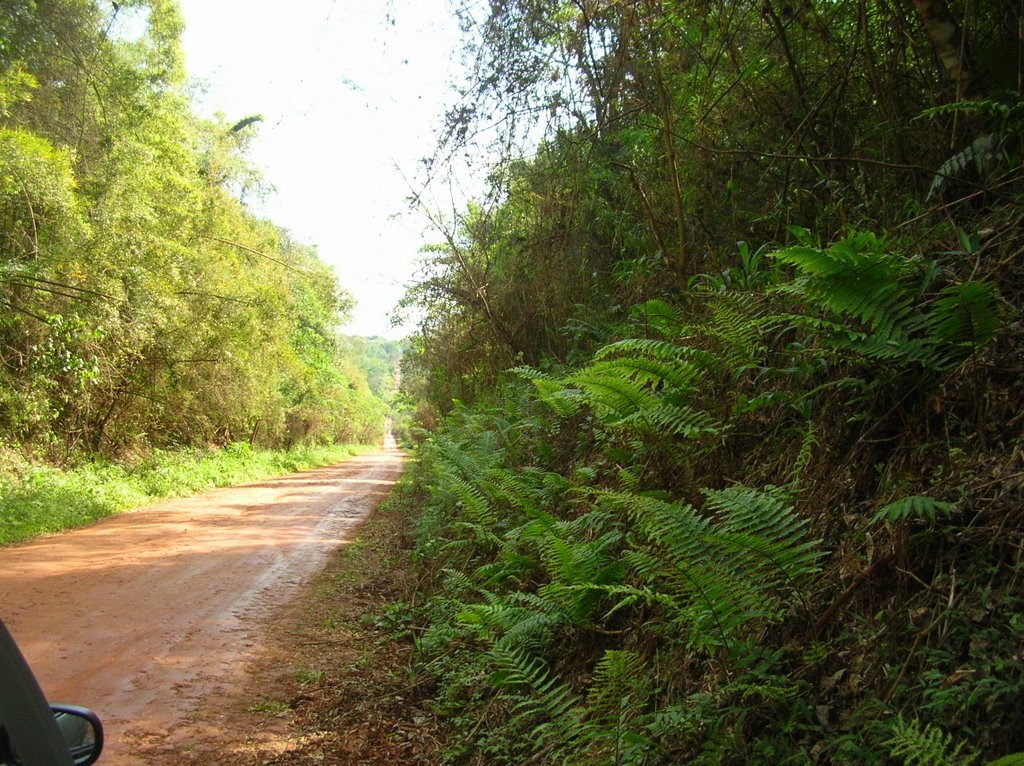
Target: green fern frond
[(916, 506), (981, 155), (1013, 759), (626, 596), (662, 350), (646, 565), (883, 308), (637, 382), (676, 421), (464, 460), (735, 323), (511, 569), (628, 477), (517, 620), (566, 561), (660, 520), (478, 534), (697, 571), (763, 512), (662, 317), (987, 107), (765, 561), (551, 391), (457, 583), (575, 566), (677, 374), (473, 502), (531, 373), (615, 670), (615, 679), (596, 523), (886, 349), (763, 525), (607, 389), (854, 277), (541, 701), (927, 745), (719, 603), (813, 324), (462, 543), (722, 571), (580, 602), (857, 279), (505, 487), (537, 527), (803, 458), (533, 629), (965, 316), (528, 490)]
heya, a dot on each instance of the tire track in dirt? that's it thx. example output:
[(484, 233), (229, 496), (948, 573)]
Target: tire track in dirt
[(142, 616)]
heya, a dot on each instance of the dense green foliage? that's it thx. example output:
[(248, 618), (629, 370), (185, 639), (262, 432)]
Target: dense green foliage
[(142, 304), (379, 360), (721, 387)]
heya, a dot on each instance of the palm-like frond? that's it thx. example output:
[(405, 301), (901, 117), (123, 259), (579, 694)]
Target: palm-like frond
[(675, 420), (472, 500), (551, 391), (735, 324), (662, 317), (666, 351), (916, 506), (855, 277), (724, 569), (610, 389), (858, 279), (965, 316), (541, 702)]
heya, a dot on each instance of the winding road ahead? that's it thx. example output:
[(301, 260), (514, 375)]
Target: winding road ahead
[(144, 615)]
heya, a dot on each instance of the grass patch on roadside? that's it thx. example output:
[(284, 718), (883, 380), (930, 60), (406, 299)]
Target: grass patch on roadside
[(38, 499)]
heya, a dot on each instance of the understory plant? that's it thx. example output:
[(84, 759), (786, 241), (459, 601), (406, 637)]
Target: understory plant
[(669, 553)]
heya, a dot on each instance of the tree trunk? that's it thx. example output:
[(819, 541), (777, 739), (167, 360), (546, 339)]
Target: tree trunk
[(951, 46)]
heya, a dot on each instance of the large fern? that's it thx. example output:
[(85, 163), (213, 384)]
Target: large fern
[(661, 317), (605, 728), (771, 537), (725, 567), (704, 597), (736, 328), (865, 299), (639, 383), (517, 619), (540, 703), (855, 277), (964, 318)]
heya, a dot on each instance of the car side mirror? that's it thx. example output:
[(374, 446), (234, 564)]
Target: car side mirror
[(82, 732), (31, 730)]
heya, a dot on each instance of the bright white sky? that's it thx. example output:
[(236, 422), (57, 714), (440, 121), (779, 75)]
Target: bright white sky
[(351, 94)]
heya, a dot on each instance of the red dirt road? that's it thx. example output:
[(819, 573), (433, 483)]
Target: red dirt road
[(144, 615)]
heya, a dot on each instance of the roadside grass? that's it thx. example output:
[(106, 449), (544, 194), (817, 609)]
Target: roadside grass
[(38, 499)]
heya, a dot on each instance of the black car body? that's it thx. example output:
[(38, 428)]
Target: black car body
[(32, 731)]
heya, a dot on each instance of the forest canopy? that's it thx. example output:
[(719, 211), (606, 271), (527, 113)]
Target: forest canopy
[(142, 302)]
